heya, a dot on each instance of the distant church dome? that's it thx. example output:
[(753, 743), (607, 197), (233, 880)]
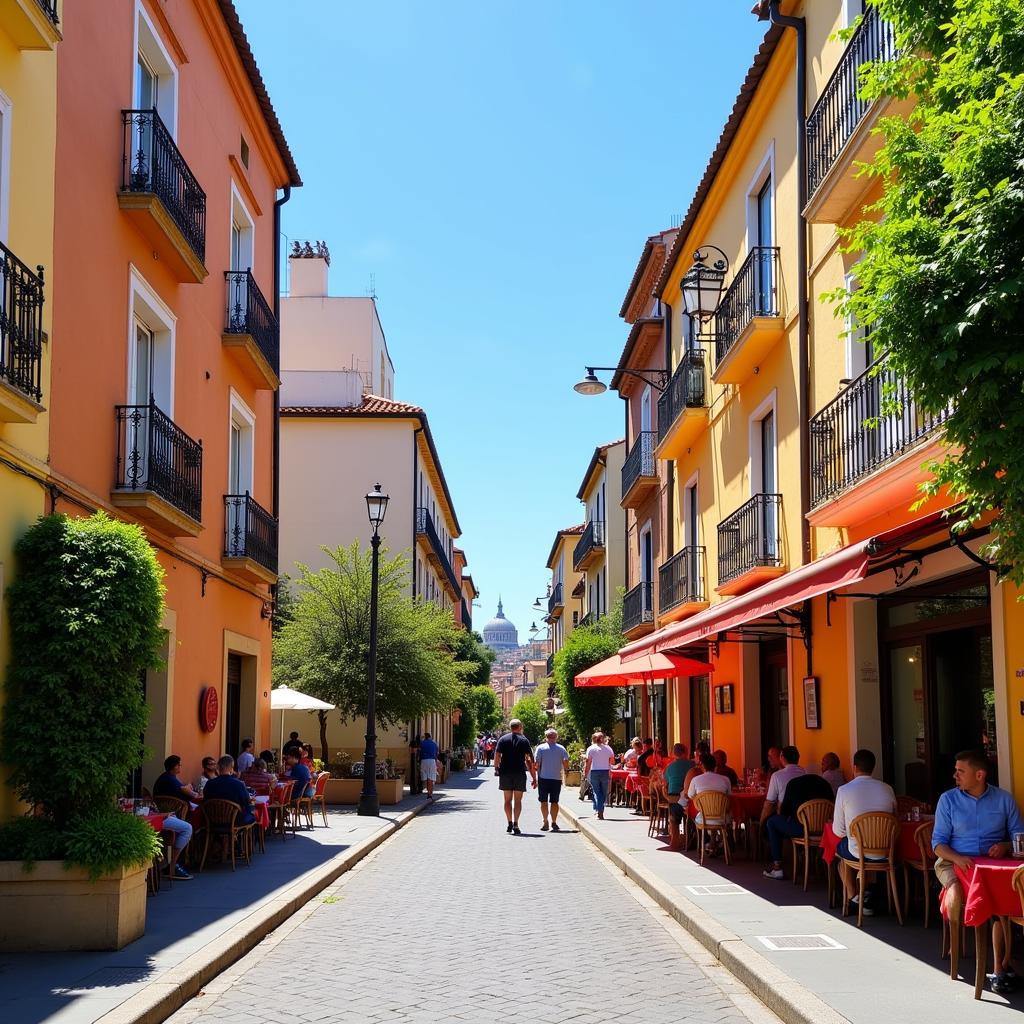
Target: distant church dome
[(499, 634)]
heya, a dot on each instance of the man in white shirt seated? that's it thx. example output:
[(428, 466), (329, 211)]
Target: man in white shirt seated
[(859, 796), (831, 772)]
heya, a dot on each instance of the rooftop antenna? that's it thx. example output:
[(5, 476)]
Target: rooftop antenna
[(676, 220), (371, 291)]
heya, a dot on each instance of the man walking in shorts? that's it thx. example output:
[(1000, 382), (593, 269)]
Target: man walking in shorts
[(551, 758), (513, 754), (428, 764)]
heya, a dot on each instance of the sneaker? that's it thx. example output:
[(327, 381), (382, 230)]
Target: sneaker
[(515, 830), (544, 827), (855, 903), (554, 827), (509, 829), (1002, 983), (775, 873), (180, 874)]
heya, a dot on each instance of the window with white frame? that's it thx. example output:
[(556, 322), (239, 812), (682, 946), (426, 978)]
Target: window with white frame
[(860, 350), (241, 447), (150, 347), (243, 231), (764, 472), (155, 76)]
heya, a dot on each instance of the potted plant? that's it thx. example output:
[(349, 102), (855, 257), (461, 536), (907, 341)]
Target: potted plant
[(85, 613), (575, 752)]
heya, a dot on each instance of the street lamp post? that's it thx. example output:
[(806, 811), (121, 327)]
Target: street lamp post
[(376, 506)]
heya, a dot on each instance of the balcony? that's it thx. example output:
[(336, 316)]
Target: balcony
[(555, 603), (840, 128), (250, 539), (638, 611), (251, 334), (31, 24), (159, 471), (683, 408), (161, 195), (589, 619), (436, 553), (589, 548), (748, 322), (750, 544), (21, 340), (467, 618), (681, 585), (639, 471), (867, 448)]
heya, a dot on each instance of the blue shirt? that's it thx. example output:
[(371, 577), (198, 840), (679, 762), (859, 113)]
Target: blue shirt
[(549, 757), (228, 787), (168, 784), (972, 825), (428, 750), (300, 773)]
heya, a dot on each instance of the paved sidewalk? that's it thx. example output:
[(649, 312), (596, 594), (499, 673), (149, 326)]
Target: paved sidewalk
[(212, 919), (455, 920), (882, 966)]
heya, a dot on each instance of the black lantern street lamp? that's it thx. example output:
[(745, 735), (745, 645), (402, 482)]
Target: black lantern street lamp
[(592, 385), (702, 284), (376, 507)]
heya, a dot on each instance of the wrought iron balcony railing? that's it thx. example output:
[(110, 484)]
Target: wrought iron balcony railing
[(248, 312), (686, 390), (593, 537), (155, 454), (874, 420), (151, 162), (640, 460), (638, 606), (467, 618), (754, 292), (21, 325), (588, 620), (250, 531), (425, 527), (50, 10), (750, 538), (840, 109), (555, 600), (681, 579)]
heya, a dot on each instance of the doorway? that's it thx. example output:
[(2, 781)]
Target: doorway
[(938, 694), (774, 695), (700, 709), (233, 705)]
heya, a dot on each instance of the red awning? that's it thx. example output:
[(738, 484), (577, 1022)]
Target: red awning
[(839, 569)]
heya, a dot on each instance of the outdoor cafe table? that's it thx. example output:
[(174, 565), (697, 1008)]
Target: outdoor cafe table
[(156, 821), (988, 892)]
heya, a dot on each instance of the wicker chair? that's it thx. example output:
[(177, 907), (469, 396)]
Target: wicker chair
[(875, 834), (812, 815), (221, 821), (923, 866), (714, 816), (319, 798), (172, 805), (658, 824), (301, 805)]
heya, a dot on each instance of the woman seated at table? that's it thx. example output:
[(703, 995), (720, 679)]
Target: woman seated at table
[(629, 758), (258, 775), (307, 755)]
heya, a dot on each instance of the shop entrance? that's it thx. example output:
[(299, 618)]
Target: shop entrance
[(938, 692), (700, 709), (774, 695)]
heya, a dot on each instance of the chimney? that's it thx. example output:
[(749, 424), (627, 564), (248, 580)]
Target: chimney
[(308, 263)]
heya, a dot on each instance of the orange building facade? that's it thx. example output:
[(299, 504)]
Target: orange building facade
[(163, 405)]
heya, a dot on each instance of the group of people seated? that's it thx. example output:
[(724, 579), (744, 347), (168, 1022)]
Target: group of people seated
[(231, 779)]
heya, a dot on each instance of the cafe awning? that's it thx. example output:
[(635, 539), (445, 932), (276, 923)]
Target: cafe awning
[(645, 669), (838, 569)]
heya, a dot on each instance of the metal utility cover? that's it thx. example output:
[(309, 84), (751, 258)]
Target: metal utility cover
[(788, 943), (728, 889)]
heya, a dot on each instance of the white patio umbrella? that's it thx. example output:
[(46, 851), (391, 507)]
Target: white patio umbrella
[(284, 698)]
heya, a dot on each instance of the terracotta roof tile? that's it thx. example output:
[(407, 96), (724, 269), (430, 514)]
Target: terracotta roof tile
[(371, 405)]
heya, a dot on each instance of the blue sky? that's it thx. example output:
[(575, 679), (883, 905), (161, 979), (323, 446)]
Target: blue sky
[(497, 168)]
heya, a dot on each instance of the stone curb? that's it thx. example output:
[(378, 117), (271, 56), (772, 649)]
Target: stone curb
[(788, 999), (158, 1000)]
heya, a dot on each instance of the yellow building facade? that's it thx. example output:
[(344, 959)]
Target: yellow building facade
[(29, 36), (836, 615)]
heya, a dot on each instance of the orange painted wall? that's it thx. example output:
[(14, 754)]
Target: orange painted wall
[(95, 244), (726, 729)]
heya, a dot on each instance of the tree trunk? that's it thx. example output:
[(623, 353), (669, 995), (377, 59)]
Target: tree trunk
[(322, 715)]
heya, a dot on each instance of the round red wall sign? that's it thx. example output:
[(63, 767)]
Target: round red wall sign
[(208, 708)]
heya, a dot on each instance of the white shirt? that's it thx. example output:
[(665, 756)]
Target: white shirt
[(601, 757), (244, 762), (707, 782), (835, 778), (780, 779), (859, 796), (629, 758)]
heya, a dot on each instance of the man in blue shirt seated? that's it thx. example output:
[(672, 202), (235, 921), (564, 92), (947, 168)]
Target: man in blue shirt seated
[(168, 784), (300, 773), (975, 820), (227, 786)]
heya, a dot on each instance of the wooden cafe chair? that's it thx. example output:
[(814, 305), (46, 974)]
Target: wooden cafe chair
[(319, 798), (714, 816), (221, 821), (875, 834), (922, 867), (280, 798), (811, 816)]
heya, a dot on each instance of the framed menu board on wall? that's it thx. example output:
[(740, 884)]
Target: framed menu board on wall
[(812, 715)]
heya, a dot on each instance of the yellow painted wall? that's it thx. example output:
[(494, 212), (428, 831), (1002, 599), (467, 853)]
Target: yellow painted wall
[(29, 80)]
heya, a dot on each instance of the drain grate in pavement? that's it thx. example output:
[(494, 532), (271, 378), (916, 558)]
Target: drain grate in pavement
[(787, 943), (108, 977), (728, 889)]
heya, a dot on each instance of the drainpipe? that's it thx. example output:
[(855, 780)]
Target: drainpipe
[(415, 480), (625, 518), (278, 203), (799, 25), (669, 540)]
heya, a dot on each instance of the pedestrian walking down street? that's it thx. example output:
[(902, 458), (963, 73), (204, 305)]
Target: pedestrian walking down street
[(599, 763), (551, 758), (428, 763), (513, 755)]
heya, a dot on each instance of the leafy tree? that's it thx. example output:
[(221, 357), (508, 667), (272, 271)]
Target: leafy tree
[(592, 706), (530, 711), (464, 732), (470, 649), (284, 603), (485, 706), (324, 649), (941, 279)]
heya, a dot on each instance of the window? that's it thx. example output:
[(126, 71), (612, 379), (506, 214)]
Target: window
[(646, 554), (860, 351), (645, 410), (764, 474), (240, 448), (150, 347), (243, 152), (5, 165), (852, 9), (242, 234), (691, 516), (155, 85)]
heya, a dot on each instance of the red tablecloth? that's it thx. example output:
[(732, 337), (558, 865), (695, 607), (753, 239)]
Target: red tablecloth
[(619, 774), (987, 890), (906, 848), (636, 782), (156, 821), (744, 805)]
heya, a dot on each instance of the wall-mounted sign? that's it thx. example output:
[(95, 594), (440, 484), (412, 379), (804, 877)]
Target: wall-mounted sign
[(209, 708), (812, 718)]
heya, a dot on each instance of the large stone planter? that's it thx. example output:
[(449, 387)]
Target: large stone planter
[(572, 778), (50, 909), (346, 791)]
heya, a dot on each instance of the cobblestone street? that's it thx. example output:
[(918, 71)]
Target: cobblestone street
[(453, 919)]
